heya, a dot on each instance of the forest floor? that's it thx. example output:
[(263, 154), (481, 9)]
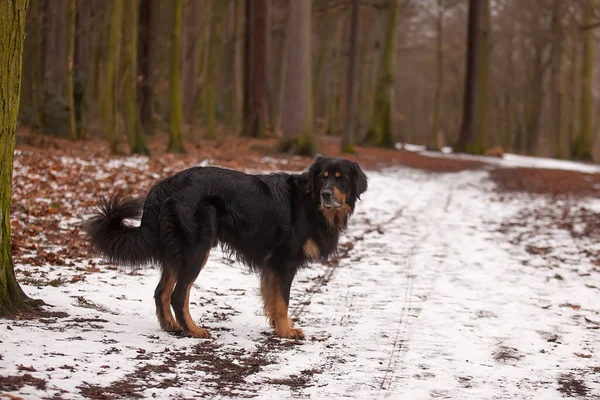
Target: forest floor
[(459, 277)]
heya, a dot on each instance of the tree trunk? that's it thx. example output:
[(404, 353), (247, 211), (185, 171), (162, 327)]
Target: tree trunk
[(36, 68), (238, 50), (534, 104), (435, 126), (12, 37), (349, 131), (211, 78), (297, 110), (467, 141), (133, 126), (582, 144), (255, 76), (574, 84), (109, 94), (71, 25), (145, 65), (381, 130), (333, 88), (484, 67), (176, 112), (509, 108), (557, 89)]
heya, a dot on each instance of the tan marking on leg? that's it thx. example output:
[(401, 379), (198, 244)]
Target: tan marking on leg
[(276, 310), (168, 322), (311, 250), (192, 329)]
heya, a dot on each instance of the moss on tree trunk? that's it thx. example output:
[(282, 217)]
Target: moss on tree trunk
[(211, 78), (133, 126), (381, 127), (581, 148), (12, 36), (176, 114), (109, 92)]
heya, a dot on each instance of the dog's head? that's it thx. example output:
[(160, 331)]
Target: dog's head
[(336, 183)]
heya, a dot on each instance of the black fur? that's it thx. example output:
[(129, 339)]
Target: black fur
[(263, 220)]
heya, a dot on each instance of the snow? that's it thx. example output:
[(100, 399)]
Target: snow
[(431, 302), (509, 160)]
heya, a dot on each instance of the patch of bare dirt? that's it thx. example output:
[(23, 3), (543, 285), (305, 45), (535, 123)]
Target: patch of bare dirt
[(15, 382), (507, 354), (552, 182), (570, 385), (225, 372)]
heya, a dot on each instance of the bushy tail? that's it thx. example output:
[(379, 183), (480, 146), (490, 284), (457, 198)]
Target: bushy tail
[(115, 241)]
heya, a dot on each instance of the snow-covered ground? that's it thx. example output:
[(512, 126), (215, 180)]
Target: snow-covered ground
[(508, 160), (433, 300)]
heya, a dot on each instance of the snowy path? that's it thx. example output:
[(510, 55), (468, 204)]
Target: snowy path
[(431, 301)]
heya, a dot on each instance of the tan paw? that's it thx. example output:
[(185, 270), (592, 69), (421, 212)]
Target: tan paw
[(199, 333), (171, 326), (288, 332)]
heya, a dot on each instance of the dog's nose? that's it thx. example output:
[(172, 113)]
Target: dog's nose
[(326, 194)]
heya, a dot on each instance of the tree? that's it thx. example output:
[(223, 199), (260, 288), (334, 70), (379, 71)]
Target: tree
[(297, 107), (133, 125), (439, 32), (467, 141), (484, 67), (36, 65), (211, 78), (12, 37), (255, 68), (145, 64), (557, 89), (348, 137), (110, 98), (381, 129), (582, 144), (237, 76), (71, 25), (176, 112)]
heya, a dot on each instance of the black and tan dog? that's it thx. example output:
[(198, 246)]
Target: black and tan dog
[(274, 223)]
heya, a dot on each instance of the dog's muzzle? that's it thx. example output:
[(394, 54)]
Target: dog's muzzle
[(328, 200)]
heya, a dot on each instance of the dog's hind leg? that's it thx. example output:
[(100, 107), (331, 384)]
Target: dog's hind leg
[(275, 288), (180, 299), (193, 261), (162, 297)]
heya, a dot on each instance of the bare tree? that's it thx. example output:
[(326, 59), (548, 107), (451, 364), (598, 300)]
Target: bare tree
[(176, 114), (348, 137), (467, 142), (255, 68), (297, 108), (12, 37)]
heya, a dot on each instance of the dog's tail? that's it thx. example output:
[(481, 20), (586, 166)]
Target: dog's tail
[(116, 242)]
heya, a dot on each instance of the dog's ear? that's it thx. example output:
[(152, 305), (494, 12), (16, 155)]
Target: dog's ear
[(360, 180), (313, 173)]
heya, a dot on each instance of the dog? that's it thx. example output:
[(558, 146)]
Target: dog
[(274, 223)]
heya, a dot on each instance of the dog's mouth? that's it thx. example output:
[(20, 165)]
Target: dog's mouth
[(331, 203)]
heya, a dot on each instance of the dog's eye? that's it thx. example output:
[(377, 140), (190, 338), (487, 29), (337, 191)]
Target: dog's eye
[(338, 175)]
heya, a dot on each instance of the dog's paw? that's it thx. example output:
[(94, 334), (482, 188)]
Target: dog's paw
[(198, 333), (172, 326), (289, 333)]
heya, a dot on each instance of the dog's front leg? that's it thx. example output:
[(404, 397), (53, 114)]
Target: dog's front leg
[(275, 291)]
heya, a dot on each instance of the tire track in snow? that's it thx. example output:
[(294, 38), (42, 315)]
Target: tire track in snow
[(399, 347)]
